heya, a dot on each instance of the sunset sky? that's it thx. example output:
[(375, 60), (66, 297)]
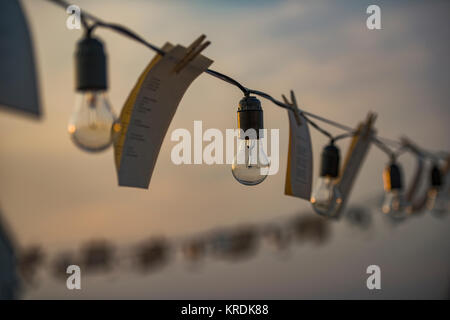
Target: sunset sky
[(55, 195)]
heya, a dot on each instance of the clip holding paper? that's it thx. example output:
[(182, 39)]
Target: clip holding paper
[(192, 52), (294, 105)]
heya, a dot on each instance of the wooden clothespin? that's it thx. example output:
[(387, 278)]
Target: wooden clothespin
[(191, 52), (294, 105), (366, 128)]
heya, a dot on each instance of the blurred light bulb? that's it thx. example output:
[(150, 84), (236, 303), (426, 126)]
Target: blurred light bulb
[(326, 198), (93, 126), (249, 163), (437, 201), (394, 203)]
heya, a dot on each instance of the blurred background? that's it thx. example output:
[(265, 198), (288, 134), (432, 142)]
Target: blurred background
[(197, 233)]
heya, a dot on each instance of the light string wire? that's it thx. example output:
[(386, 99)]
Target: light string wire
[(150, 254), (384, 144)]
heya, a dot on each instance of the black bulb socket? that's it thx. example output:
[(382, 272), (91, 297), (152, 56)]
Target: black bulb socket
[(393, 177), (90, 65), (330, 161), (436, 177), (250, 116)]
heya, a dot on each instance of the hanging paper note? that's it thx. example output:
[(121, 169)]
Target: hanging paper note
[(446, 173), (300, 164), (415, 201), (18, 81), (355, 156), (149, 109)]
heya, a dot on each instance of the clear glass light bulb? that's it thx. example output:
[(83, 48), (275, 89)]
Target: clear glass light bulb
[(326, 198), (93, 126), (249, 161), (437, 202), (394, 205)]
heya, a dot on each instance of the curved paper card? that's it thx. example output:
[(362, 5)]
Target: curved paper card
[(300, 164), (148, 112)]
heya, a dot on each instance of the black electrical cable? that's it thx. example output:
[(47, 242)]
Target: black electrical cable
[(380, 142), (343, 136), (228, 79)]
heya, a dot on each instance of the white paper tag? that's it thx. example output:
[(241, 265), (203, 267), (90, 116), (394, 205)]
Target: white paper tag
[(300, 163), (148, 112), (412, 197), (446, 174), (355, 156)]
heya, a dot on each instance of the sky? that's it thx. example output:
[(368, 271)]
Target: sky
[(55, 195)]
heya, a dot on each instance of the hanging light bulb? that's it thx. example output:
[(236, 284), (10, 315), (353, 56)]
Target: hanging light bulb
[(326, 198), (393, 203), (437, 201), (250, 165), (93, 125)]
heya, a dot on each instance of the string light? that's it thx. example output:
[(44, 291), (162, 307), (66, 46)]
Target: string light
[(93, 125), (250, 165), (326, 199), (393, 203), (437, 201), (151, 255)]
